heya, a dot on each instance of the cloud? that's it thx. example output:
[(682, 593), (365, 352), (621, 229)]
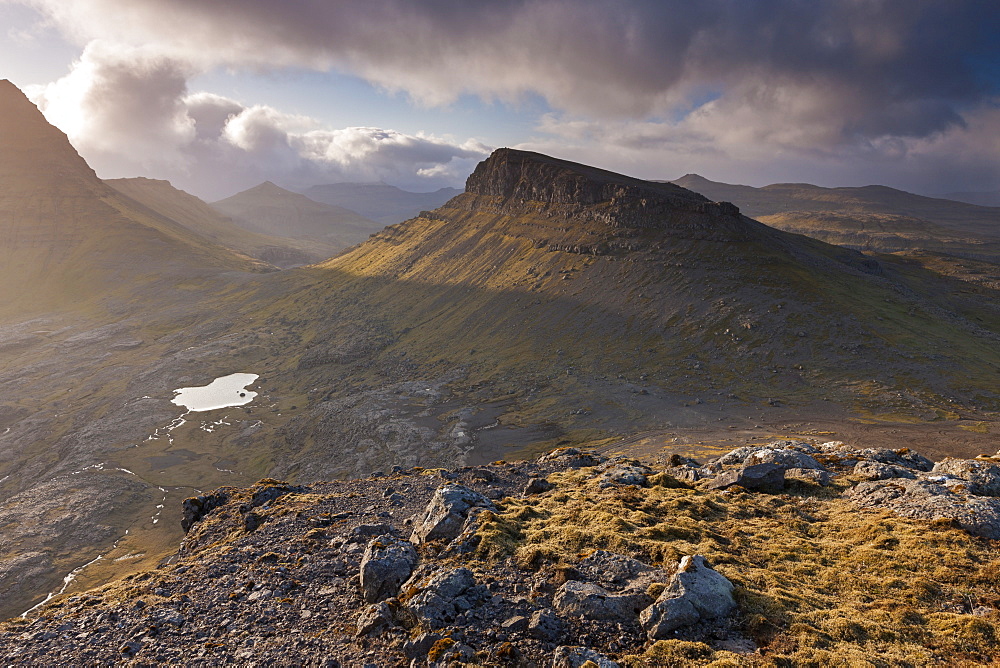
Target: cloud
[(810, 81), (128, 111)]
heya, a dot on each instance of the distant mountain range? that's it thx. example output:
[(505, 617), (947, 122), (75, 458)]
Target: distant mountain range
[(186, 209), (379, 201), (272, 210), (870, 218)]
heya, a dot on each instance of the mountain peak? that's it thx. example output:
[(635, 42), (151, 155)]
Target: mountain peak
[(31, 148), (524, 175)]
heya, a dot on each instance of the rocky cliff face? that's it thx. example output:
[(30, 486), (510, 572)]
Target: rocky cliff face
[(513, 182)]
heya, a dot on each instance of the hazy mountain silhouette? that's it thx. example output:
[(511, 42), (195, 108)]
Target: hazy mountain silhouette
[(379, 201), (272, 210)]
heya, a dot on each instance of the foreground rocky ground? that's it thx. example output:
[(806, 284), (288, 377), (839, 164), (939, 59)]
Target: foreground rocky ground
[(789, 553)]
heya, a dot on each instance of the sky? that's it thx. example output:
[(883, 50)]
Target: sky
[(219, 96)]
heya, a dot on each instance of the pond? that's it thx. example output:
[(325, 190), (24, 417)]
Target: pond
[(222, 392)]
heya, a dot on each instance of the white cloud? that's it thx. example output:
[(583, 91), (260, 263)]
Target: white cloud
[(129, 112)]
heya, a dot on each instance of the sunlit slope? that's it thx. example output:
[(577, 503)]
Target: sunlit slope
[(873, 217), (66, 237), (561, 271), (270, 209)]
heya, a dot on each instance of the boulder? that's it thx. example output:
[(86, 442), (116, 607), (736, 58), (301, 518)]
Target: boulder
[(591, 601), (816, 476), (386, 565), (374, 619), (546, 626), (779, 453), (757, 478), (932, 498), (878, 471), (572, 656), (572, 458), (616, 570), (696, 592), (444, 516), (982, 478), (446, 595), (623, 473), (537, 486)]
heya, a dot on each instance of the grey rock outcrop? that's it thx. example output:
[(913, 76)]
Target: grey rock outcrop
[(757, 478), (446, 595), (879, 471), (386, 565), (546, 626), (591, 601), (623, 473), (932, 498), (780, 453), (696, 592), (982, 477), (374, 619), (446, 513), (816, 476)]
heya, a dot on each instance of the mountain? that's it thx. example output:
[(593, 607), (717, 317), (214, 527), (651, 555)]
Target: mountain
[(379, 201), (272, 210), (67, 238), (991, 198), (560, 301), (163, 199), (871, 218), (549, 305)]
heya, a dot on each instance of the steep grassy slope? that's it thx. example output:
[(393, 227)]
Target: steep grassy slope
[(871, 218), (268, 209), (67, 238), (161, 198)]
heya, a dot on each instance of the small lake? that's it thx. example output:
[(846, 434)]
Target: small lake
[(222, 392)]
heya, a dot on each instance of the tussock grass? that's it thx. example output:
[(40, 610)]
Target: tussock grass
[(819, 582)]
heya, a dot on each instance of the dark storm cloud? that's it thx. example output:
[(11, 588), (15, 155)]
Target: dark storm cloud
[(899, 68)]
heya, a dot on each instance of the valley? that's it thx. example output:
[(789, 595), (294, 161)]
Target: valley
[(550, 304)]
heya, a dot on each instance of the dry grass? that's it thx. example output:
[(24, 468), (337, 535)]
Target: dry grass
[(819, 582)]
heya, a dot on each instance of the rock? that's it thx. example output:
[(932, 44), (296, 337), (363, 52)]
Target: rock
[(696, 592), (878, 471), (193, 509), (515, 624), (374, 619), (585, 599), (932, 498), (468, 538), (446, 595), (809, 475), (418, 647), (537, 486), (572, 656), (757, 478), (983, 478), (387, 564), (546, 626), (364, 532), (446, 512), (612, 569), (572, 458), (780, 453), (623, 473)]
